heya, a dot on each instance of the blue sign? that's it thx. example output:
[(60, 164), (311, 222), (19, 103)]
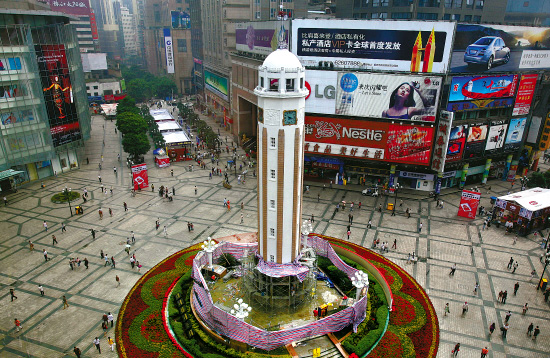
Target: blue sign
[(480, 104), (349, 82)]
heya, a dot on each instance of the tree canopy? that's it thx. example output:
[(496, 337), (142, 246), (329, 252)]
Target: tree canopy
[(136, 144), (129, 122), (142, 85)]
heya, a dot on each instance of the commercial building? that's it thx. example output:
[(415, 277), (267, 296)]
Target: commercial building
[(110, 35), (469, 89), (129, 32), (43, 106)]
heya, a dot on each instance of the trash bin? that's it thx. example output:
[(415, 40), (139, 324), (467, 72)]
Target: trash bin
[(543, 284), (390, 206)]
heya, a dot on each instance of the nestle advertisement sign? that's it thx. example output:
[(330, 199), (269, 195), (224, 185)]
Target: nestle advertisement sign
[(259, 37), (397, 46), (368, 140)]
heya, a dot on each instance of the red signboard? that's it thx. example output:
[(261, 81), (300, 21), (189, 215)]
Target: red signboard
[(80, 7), (162, 161), (93, 26), (525, 94), (140, 177), (368, 140), (468, 204)]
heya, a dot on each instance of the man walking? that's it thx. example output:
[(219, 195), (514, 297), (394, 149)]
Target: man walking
[(96, 343), (45, 253), (65, 303), (420, 227), (54, 240), (5, 201), (510, 263), (93, 233), (516, 287), (133, 237), (12, 293), (504, 296), (530, 329), (350, 219), (18, 325), (41, 289), (99, 178), (86, 262), (536, 333), (369, 224), (117, 281), (63, 228), (195, 190), (45, 225), (166, 231), (110, 319), (77, 352), (125, 206)]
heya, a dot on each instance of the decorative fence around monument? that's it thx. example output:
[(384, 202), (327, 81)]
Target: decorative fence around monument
[(228, 325)]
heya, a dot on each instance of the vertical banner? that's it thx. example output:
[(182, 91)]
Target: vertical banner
[(469, 202), (486, 172), (169, 51), (438, 183), (442, 141), (524, 97), (140, 177), (464, 175), (392, 175), (93, 26)]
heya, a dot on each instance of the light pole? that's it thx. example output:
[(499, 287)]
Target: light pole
[(360, 280), (306, 229), (546, 262), (241, 309), (396, 188), (67, 193), (209, 246)]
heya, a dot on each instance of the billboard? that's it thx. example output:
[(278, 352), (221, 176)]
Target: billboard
[(169, 50), (482, 87), (322, 91), (404, 97), (79, 8), (475, 142), (457, 142), (490, 48), (16, 116), (180, 20), (469, 202), (58, 93), (259, 37), (480, 104), (411, 46), (93, 61), (364, 139), (216, 84), (139, 176), (515, 133), (443, 132), (496, 135), (524, 97)]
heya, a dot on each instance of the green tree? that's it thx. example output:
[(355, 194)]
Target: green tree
[(127, 104), (539, 179), (136, 145), (164, 87), (139, 89), (128, 122)]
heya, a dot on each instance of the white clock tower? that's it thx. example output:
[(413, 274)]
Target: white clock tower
[(281, 109)]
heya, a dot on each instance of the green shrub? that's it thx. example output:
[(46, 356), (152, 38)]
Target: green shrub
[(62, 198), (227, 260)]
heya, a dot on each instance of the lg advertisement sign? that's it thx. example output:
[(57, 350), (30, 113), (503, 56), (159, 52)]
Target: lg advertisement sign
[(362, 139), (322, 91)]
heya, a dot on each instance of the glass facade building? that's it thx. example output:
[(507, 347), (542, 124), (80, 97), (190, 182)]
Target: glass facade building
[(44, 116)]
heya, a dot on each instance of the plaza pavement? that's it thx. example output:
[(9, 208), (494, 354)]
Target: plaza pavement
[(51, 331)]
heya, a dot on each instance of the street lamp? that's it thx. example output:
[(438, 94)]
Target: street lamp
[(306, 229), (241, 309), (546, 262), (67, 193), (209, 246), (360, 280)]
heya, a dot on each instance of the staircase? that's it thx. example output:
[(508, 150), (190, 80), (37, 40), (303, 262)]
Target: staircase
[(327, 353)]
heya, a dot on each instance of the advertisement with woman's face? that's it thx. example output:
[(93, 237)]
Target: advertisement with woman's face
[(403, 97)]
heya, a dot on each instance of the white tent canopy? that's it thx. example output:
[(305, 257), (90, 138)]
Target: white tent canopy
[(161, 115), (533, 199)]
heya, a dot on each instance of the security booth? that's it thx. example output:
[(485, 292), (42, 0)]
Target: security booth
[(523, 212)]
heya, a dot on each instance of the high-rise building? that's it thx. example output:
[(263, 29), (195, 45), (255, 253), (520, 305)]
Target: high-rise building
[(110, 35), (43, 106), (129, 32)]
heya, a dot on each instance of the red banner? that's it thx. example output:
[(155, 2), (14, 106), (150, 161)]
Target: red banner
[(468, 204), (140, 177), (524, 97), (93, 25), (163, 162)]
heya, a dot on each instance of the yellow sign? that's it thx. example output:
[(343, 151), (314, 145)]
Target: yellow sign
[(316, 352)]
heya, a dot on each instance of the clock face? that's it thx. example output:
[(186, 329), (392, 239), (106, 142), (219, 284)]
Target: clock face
[(289, 118), (260, 115)]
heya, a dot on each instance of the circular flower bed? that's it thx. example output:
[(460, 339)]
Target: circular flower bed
[(413, 329), (62, 198)]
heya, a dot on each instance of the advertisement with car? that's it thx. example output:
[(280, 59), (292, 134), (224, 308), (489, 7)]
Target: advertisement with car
[(480, 48), (372, 140)]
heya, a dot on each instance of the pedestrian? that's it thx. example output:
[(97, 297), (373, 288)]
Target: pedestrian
[(312, 218), (114, 170), (12, 294), (153, 188), (515, 266), (113, 261), (515, 240), (173, 191), (476, 288), (530, 329), (45, 224), (349, 233), (499, 299), (54, 240), (464, 308), (138, 266), (504, 330), (63, 228), (93, 233), (17, 324), (380, 208), (504, 296), (133, 237), (492, 328), (536, 333), (195, 190), (86, 262), (111, 343), (31, 246), (117, 281), (394, 246), (165, 231), (41, 289), (510, 263), (172, 172), (5, 201), (45, 253), (525, 308), (507, 317), (447, 309), (408, 212), (455, 351), (453, 269), (105, 328), (369, 225), (228, 205), (484, 352), (132, 262), (516, 287), (393, 212), (330, 185), (65, 303), (100, 214), (77, 352), (420, 227), (484, 225), (242, 218), (350, 219), (125, 206), (110, 212), (359, 206), (96, 343), (318, 197), (110, 318)]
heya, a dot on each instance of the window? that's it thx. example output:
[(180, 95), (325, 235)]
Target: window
[(526, 4), (356, 3), (290, 84), (446, 16), (157, 16), (302, 83), (401, 15), (468, 18), (273, 84), (401, 2), (272, 204), (271, 258), (96, 93), (271, 231), (479, 4), (426, 16), (272, 173), (477, 18), (375, 3), (471, 115), (455, 17), (379, 15), (456, 4), (494, 112), (428, 3), (96, 87), (469, 4), (182, 45), (262, 82), (272, 141)]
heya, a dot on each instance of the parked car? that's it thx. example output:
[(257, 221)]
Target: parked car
[(487, 51)]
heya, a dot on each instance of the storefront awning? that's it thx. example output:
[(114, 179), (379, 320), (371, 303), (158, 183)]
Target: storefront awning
[(9, 173), (533, 199)]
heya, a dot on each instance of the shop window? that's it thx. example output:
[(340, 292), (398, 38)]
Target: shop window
[(494, 112), (63, 163), (471, 115)]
